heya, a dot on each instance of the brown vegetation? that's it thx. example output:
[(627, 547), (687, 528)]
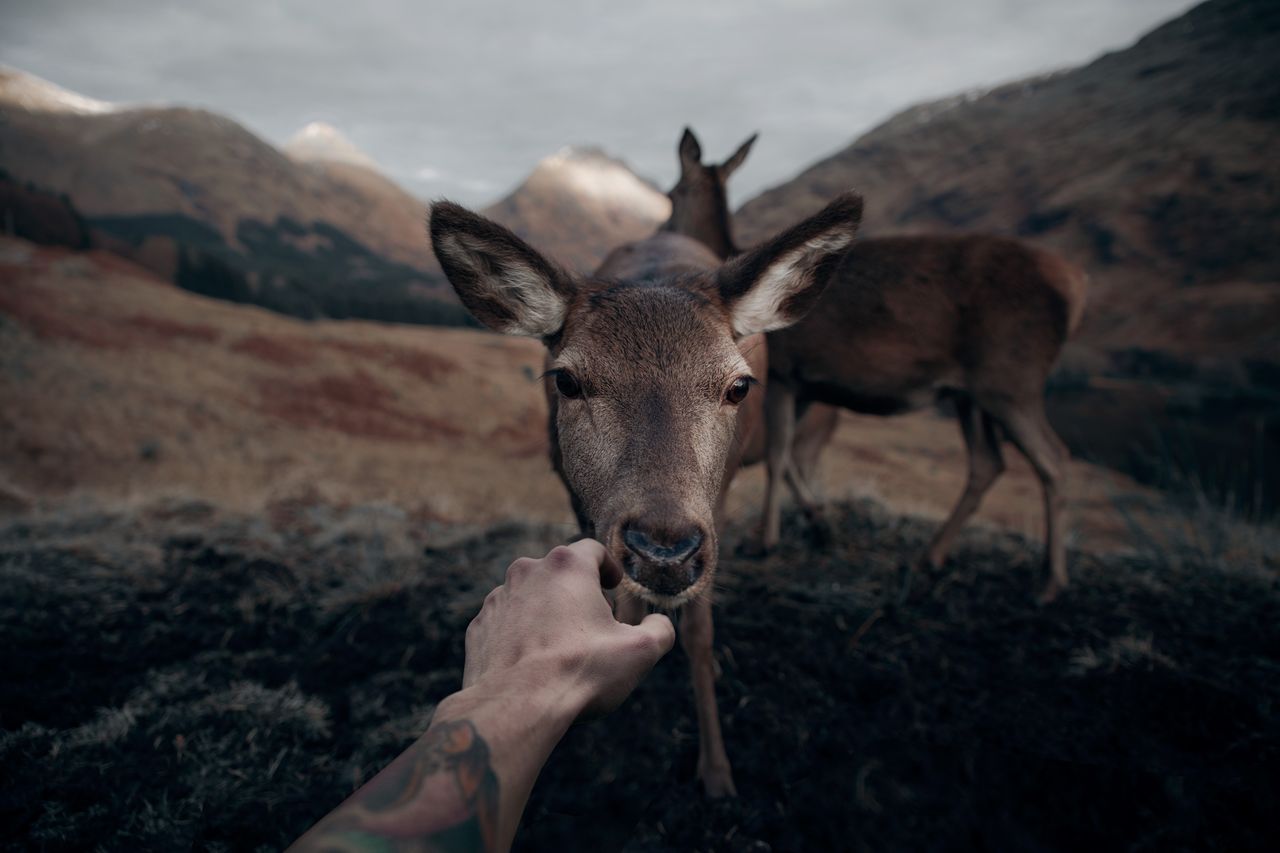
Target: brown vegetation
[(182, 677), (246, 406)]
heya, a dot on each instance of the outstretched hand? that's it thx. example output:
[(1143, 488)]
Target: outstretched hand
[(548, 627), (543, 651)]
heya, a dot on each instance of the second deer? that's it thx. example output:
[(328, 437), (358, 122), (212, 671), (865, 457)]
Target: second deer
[(981, 319)]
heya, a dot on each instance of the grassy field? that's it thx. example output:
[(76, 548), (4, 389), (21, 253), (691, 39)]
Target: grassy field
[(178, 677)]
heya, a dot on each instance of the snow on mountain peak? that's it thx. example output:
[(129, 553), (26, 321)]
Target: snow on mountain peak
[(36, 94), (322, 141)]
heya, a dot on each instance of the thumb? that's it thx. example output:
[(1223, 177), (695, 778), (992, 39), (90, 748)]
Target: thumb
[(659, 627)]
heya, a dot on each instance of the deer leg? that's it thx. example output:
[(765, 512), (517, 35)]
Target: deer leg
[(986, 463), (696, 634), (802, 490), (814, 427), (780, 419), (780, 426), (815, 424), (1029, 429)]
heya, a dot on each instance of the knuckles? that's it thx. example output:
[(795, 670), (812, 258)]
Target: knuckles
[(646, 644), (521, 568), (561, 557)]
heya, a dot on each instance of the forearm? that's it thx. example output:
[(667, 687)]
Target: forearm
[(462, 785)]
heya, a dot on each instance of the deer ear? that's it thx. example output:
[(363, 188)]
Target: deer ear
[(774, 285), (690, 151), (502, 280), (731, 165)]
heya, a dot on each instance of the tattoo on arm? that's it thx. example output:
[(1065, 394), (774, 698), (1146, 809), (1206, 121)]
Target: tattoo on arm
[(441, 795)]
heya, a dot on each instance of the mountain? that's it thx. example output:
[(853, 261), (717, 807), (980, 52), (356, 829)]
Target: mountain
[(1155, 167), (313, 230), (202, 201), (578, 204)]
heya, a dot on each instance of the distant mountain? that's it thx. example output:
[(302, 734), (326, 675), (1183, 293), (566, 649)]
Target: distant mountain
[(1157, 168), (578, 204), (312, 230), (197, 198)]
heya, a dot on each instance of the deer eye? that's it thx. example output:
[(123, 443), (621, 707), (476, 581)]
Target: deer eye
[(737, 391), (567, 385)]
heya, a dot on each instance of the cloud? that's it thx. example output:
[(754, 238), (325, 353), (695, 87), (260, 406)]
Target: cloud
[(482, 90)]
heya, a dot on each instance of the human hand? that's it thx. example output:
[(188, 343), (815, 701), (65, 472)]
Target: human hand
[(549, 631)]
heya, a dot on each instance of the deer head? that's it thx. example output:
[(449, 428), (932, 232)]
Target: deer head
[(699, 201), (648, 373)]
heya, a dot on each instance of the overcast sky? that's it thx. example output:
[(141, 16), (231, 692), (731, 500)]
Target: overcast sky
[(463, 98)]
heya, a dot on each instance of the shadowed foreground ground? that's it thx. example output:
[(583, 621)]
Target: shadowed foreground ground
[(174, 678)]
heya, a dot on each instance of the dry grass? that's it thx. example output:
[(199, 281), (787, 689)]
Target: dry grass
[(122, 388)]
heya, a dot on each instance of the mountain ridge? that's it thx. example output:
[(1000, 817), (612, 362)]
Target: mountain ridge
[(314, 230)]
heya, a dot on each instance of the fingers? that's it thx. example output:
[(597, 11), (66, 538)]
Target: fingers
[(584, 552), (610, 571), (659, 627)]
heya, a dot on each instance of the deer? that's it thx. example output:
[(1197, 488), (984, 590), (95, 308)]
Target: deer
[(700, 211), (653, 360), (903, 320)]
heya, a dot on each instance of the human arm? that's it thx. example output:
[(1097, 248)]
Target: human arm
[(544, 650)]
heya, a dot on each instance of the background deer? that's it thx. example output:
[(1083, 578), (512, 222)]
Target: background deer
[(650, 378), (979, 318), (700, 210)]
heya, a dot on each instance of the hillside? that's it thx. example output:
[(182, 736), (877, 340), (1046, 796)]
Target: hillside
[(119, 387), (1155, 168)]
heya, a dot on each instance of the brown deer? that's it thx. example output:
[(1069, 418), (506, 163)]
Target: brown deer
[(700, 199), (700, 209), (979, 318), (652, 368)]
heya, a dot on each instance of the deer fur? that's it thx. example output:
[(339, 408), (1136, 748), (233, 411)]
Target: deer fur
[(981, 319)]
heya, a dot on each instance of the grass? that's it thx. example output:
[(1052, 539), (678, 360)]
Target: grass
[(176, 677)]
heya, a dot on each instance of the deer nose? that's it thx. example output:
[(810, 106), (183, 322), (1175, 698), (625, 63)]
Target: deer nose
[(662, 550)]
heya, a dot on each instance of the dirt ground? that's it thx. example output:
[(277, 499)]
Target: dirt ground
[(176, 677)]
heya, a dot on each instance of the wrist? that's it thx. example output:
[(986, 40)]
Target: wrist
[(543, 705)]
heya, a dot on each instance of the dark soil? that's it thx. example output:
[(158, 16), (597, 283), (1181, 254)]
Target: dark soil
[(178, 680)]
